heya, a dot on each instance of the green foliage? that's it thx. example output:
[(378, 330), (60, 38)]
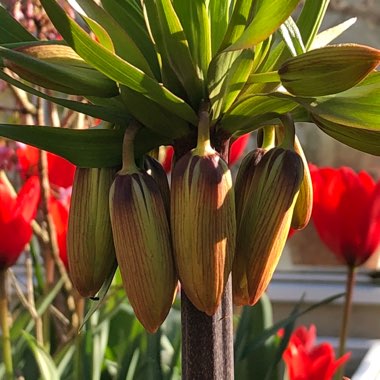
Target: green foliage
[(166, 56)]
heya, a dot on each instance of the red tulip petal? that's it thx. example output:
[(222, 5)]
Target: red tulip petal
[(237, 148), (7, 202), (28, 160), (61, 171), (373, 237), (353, 217), (27, 199), (60, 215), (16, 215), (167, 162)]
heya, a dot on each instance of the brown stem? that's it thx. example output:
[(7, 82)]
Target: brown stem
[(207, 342)]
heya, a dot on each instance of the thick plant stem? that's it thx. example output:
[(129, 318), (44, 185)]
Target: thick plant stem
[(6, 340), (350, 284), (207, 342)]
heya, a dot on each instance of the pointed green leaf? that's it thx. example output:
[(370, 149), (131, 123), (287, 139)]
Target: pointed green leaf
[(365, 140), (109, 113), (128, 14), (83, 147), (99, 299), (268, 17), (223, 96), (67, 78), (48, 370), (151, 115), (237, 23), (308, 24), (216, 78), (194, 19), (258, 341), (324, 38), (219, 16), (328, 70), (172, 44), (310, 19), (125, 47), (292, 37), (11, 30), (358, 107), (250, 112), (115, 67), (23, 321)]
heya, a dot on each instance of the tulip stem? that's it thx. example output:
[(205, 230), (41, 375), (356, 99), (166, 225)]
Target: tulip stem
[(350, 283), (6, 339)]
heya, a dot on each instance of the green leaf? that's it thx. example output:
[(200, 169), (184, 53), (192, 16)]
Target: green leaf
[(310, 19), (268, 17), (253, 321), (253, 344), (292, 37), (11, 30), (156, 118), (109, 113), (250, 112), (99, 299), (328, 70), (237, 23), (83, 147), (63, 358), (24, 321), (172, 44), (45, 362), (129, 16), (124, 45), (218, 71), (194, 19), (71, 79), (228, 88), (308, 24), (115, 67), (219, 16), (324, 38), (358, 107), (365, 140)]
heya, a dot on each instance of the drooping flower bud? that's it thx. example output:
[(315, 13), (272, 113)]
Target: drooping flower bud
[(90, 248), (142, 240), (203, 222)]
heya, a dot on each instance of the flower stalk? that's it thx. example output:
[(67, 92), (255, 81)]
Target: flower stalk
[(350, 284), (6, 339)]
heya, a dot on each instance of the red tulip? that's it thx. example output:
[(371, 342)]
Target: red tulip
[(60, 171), (237, 148), (346, 212), (59, 210), (307, 361), (16, 214)]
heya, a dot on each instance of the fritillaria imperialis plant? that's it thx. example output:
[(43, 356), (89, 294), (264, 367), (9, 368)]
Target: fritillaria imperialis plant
[(191, 75)]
